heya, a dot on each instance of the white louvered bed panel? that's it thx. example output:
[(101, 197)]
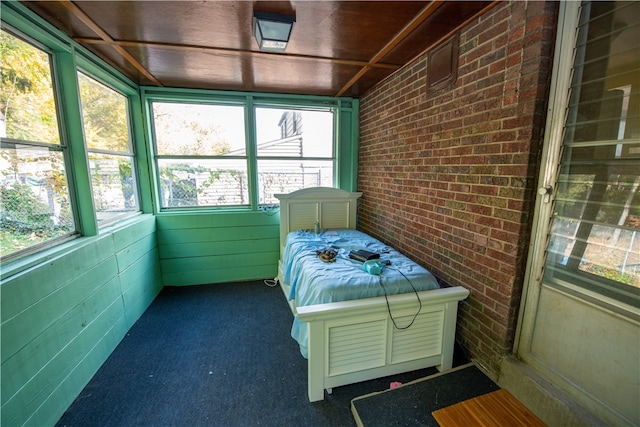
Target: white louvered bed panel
[(332, 207), (357, 346), (335, 214), (303, 216), (422, 339)]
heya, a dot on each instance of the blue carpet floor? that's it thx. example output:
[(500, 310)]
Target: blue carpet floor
[(214, 355)]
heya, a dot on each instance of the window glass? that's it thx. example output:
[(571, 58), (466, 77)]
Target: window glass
[(285, 175), (104, 114), (201, 154), (113, 185), (295, 149), (28, 105), (204, 157), (203, 182), (35, 205), (198, 130), (595, 236), (111, 158)]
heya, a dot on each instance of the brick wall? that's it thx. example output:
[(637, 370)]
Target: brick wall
[(449, 177)]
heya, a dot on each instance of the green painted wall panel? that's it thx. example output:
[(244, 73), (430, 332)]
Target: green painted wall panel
[(24, 365), (20, 291), (195, 235), (144, 226), (134, 252), (62, 396), (212, 262), (29, 398), (32, 321), (199, 249), (168, 221), (65, 316), (221, 275), (135, 274), (203, 248), (137, 298), (217, 269)]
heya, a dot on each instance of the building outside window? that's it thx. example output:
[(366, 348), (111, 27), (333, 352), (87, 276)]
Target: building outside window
[(302, 157)]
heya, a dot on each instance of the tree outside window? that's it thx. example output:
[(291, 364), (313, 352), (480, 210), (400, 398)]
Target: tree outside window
[(34, 196), (111, 157)]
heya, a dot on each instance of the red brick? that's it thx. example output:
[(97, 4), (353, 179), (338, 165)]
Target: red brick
[(449, 175)]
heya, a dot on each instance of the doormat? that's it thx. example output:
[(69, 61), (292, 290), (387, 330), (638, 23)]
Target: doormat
[(411, 404)]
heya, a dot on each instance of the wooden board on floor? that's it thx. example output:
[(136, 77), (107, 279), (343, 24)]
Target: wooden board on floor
[(498, 408)]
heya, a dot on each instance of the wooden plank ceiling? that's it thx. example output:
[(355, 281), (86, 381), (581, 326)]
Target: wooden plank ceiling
[(336, 47)]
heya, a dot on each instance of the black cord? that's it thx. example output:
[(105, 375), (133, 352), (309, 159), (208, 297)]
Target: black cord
[(387, 299)]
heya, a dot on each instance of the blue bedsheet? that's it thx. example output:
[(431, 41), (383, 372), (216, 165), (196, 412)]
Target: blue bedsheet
[(313, 281)]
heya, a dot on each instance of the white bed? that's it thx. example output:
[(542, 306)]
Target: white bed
[(356, 340)]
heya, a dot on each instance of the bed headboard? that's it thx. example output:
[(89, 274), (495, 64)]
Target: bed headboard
[(330, 207)]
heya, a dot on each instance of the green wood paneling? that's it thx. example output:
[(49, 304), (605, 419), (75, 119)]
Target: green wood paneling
[(134, 274), (135, 252), (199, 249), (62, 318), (26, 326), (87, 352), (63, 395), (137, 298), (216, 234), (21, 368), (206, 248), (40, 386), (171, 221), (21, 291), (221, 275), (213, 262), (123, 237)]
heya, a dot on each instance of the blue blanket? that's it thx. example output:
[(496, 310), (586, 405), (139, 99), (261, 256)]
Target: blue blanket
[(313, 281)]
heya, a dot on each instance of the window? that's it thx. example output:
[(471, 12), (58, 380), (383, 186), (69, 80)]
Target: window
[(295, 150), (201, 155), (595, 233), (204, 157), (111, 158), (35, 206)]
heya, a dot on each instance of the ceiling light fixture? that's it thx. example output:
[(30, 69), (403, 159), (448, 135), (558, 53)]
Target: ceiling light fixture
[(272, 30)]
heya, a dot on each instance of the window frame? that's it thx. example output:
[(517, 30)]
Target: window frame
[(334, 147), (156, 157), (618, 298), (66, 58), (99, 76), (571, 275), (251, 101), (62, 145)]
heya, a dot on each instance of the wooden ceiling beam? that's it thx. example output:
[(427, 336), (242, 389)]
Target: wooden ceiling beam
[(233, 52), (424, 14), (408, 29), (78, 13)]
